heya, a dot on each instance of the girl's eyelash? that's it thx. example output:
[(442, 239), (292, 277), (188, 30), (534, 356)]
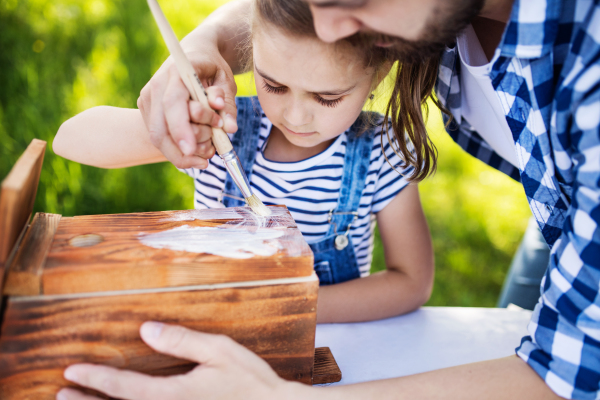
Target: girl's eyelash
[(319, 99), (328, 103), (273, 89)]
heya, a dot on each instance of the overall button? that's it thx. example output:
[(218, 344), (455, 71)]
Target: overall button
[(341, 241)]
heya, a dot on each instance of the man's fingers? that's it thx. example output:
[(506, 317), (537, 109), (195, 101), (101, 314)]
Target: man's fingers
[(204, 145), (203, 133), (142, 105), (72, 394), (181, 342), (173, 154), (202, 115), (205, 150), (176, 109), (117, 383), (156, 124), (148, 95), (197, 162)]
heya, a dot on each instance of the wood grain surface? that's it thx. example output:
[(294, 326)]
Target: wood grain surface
[(122, 262), (325, 368), (40, 337), (24, 276), (17, 195)]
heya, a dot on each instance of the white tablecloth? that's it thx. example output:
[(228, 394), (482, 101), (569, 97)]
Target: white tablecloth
[(427, 339)]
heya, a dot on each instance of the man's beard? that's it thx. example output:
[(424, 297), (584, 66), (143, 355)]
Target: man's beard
[(441, 30)]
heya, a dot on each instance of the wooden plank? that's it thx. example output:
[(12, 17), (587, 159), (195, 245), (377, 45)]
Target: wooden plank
[(325, 368), (17, 196), (128, 253), (24, 276), (41, 337)]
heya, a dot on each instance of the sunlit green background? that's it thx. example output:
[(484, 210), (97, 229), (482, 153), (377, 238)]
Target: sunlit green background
[(58, 58)]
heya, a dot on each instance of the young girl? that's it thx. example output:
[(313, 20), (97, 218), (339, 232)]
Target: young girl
[(304, 143)]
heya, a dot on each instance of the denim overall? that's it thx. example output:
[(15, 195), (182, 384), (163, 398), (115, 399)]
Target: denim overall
[(334, 257)]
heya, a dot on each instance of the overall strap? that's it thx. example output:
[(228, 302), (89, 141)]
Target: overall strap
[(245, 144), (359, 147)]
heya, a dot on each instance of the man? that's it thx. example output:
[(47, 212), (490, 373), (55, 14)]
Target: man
[(535, 65)]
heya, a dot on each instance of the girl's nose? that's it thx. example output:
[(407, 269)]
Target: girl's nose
[(296, 115), (334, 24)]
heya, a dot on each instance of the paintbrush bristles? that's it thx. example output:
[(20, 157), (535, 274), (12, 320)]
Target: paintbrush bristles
[(258, 207)]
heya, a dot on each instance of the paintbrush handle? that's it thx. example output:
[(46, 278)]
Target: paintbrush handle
[(187, 73)]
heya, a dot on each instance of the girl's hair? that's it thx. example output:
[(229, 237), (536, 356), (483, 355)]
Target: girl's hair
[(413, 85)]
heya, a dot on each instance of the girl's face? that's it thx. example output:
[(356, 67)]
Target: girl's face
[(310, 90)]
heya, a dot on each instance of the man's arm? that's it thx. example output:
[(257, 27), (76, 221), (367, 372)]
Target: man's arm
[(228, 370), (501, 379), (227, 27), (564, 342)]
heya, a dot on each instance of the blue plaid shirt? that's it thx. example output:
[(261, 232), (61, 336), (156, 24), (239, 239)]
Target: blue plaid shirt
[(546, 72)]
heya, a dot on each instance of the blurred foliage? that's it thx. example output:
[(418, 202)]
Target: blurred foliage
[(60, 57)]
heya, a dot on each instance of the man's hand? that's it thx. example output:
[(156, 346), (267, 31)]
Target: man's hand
[(181, 128), (226, 370)]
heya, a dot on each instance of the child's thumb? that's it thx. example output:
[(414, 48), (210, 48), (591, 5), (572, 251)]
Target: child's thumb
[(222, 99)]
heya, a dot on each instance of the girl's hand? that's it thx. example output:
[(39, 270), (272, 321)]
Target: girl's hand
[(226, 370), (181, 128)]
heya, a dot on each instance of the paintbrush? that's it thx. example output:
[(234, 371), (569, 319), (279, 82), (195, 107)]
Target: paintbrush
[(198, 93)]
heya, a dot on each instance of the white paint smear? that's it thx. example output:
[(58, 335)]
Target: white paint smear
[(202, 215), (237, 216), (224, 242)]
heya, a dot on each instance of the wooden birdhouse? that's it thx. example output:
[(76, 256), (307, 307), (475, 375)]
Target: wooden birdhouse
[(77, 289)]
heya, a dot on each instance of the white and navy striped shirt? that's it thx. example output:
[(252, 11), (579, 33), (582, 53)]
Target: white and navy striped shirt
[(310, 188)]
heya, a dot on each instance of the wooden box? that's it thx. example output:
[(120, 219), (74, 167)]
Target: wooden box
[(77, 289)]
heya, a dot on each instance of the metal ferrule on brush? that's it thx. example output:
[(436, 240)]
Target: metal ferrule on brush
[(234, 167)]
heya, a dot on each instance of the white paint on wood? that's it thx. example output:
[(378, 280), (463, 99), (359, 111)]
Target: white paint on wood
[(238, 216), (220, 241)]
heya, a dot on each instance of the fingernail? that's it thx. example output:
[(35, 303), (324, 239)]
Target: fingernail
[(61, 396), (230, 119), (70, 375), (152, 330), (220, 123), (219, 102), (185, 147)]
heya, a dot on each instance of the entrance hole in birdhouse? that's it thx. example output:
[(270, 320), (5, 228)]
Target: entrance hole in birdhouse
[(86, 240)]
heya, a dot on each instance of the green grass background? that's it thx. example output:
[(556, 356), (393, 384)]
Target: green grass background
[(58, 58)]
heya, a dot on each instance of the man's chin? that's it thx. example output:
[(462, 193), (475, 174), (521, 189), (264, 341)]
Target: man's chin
[(396, 48)]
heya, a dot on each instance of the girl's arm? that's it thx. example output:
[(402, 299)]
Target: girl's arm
[(405, 285), (106, 137)]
